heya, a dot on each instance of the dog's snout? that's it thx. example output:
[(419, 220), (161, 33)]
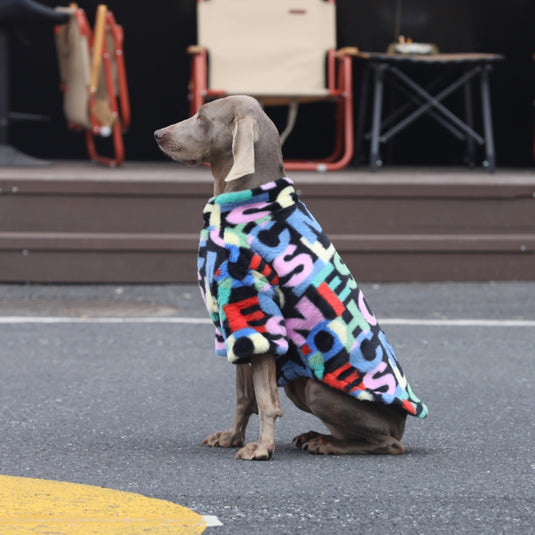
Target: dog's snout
[(159, 135)]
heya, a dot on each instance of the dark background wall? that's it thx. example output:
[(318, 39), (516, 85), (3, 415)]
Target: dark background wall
[(157, 34)]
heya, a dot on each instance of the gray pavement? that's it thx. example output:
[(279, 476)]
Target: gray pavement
[(126, 406)]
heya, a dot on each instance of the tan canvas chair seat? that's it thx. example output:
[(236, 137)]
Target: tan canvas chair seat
[(273, 47)]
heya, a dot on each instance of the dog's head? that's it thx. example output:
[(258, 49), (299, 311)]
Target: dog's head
[(232, 134)]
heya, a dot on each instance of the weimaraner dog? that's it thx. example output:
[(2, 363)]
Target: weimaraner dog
[(280, 329)]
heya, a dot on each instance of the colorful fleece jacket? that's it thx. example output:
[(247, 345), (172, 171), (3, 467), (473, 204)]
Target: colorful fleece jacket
[(273, 282)]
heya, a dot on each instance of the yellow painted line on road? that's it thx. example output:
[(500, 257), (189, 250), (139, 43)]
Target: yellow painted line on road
[(37, 506)]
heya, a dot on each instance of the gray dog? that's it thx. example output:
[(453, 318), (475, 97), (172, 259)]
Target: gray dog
[(286, 309)]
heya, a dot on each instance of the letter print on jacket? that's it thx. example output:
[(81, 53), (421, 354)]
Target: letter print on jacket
[(273, 282)]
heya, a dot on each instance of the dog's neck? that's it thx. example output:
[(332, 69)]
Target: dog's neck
[(258, 178)]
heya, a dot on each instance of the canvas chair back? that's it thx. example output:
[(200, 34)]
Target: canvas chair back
[(267, 47), (74, 69)]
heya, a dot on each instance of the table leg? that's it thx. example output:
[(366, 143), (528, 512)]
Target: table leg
[(376, 120), (469, 117), (4, 87), (490, 162), (361, 117)]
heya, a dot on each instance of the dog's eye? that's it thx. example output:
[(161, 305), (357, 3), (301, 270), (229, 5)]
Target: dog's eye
[(200, 117)]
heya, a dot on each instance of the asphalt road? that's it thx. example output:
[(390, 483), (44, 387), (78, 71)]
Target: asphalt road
[(126, 405)]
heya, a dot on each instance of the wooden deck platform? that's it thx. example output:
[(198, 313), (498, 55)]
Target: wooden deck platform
[(77, 222)]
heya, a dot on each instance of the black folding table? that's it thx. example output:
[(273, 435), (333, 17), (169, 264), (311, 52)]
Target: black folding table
[(449, 73)]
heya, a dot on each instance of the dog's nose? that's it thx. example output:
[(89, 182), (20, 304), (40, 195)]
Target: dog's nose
[(159, 135)]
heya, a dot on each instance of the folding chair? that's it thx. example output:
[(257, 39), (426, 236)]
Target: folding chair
[(283, 52), (93, 79)]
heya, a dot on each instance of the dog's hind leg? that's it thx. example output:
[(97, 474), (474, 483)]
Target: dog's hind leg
[(357, 427), (267, 400), (245, 406)]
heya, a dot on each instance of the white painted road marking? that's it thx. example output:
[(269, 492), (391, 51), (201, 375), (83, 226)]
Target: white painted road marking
[(468, 322)]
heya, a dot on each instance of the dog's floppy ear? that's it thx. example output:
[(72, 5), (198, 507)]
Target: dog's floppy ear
[(243, 140)]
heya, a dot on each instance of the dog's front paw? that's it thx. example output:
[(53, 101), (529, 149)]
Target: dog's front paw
[(256, 451), (223, 439)]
